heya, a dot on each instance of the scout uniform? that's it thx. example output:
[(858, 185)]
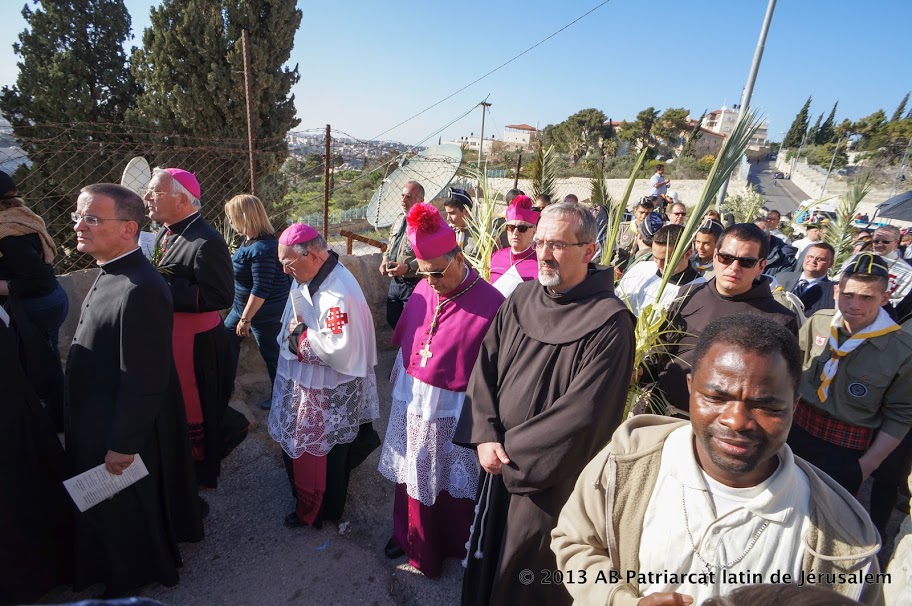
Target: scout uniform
[(870, 390)]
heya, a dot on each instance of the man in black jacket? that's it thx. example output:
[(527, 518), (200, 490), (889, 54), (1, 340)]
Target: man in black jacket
[(781, 255)]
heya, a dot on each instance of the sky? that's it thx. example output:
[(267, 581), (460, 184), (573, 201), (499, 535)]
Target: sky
[(367, 66)]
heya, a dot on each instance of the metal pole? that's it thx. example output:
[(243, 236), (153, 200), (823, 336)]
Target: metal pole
[(518, 167), (751, 78), (326, 163), (484, 106), (798, 155), (245, 47), (830, 169), (902, 167)]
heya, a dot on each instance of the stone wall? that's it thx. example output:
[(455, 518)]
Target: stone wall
[(252, 380)]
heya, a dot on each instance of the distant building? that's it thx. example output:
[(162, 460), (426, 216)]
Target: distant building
[(519, 135), (722, 121), (471, 143), (709, 143)]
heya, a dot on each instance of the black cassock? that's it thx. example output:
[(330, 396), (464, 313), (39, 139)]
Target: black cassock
[(35, 510), (197, 266), (123, 395), (550, 384)]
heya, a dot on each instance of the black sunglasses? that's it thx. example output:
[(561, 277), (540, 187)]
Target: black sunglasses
[(745, 262), (878, 241), (520, 228)]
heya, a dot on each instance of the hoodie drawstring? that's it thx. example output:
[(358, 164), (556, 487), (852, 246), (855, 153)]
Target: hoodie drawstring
[(484, 497)]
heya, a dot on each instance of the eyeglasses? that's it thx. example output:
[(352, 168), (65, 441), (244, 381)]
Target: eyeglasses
[(745, 262), (555, 246), (90, 220), (158, 194), (876, 241), (434, 274), (679, 214), (520, 228), (288, 264)]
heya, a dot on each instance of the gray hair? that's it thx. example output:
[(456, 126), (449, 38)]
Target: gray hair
[(178, 188), (892, 229), (586, 231), (317, 244), (418, 186)]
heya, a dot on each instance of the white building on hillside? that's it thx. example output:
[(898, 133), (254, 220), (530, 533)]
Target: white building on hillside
[(722, 121), (519, 135)]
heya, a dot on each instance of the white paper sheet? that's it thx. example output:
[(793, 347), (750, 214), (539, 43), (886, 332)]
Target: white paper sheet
[(303, 308), (508, 282), (97, 484)]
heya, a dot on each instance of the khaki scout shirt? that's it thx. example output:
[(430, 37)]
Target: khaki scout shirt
[(873, 384), (404, 254)]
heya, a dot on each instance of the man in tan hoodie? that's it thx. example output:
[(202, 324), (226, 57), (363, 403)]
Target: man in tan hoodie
[(674, 512)]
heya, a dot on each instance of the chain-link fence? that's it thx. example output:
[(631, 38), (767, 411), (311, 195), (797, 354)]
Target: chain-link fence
[(52, 162)]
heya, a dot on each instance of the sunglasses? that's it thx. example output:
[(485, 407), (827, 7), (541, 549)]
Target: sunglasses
[(876, 241), (745, 262), (679, 214), (434, 274), (520, 228)]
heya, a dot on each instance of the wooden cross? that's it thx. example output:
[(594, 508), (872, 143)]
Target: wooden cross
[(425, 354)]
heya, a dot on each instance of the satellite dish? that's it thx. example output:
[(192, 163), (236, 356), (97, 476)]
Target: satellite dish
[(137, 175), (434, 168)]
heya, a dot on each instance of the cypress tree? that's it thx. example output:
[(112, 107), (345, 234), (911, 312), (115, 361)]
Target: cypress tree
[(798, 128), (67, 106), (812, 134), (191, 71), (827, 131), (898, 114)]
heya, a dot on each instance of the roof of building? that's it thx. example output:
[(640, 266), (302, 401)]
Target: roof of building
[(522, 127)]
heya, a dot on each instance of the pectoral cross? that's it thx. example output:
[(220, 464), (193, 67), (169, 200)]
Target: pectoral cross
[(425, 354)]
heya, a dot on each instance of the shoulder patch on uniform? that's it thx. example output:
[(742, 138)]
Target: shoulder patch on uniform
[(820, 340), (858, 390)]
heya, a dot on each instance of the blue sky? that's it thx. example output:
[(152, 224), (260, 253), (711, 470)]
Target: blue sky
[(366, 66)]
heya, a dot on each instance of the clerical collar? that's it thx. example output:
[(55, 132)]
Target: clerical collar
[(117, 258), (183, 222), (330, 264), (456, 291), (519, 256)]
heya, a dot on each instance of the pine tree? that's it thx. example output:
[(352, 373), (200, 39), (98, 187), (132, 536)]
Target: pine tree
[(898, 114), (796, 132), (827, 131), (68, 104), (191, 71)]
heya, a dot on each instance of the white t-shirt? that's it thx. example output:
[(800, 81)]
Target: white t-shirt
[(653, 182)]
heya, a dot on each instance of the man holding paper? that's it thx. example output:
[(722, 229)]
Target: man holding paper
[(325, 392), (124, 404)]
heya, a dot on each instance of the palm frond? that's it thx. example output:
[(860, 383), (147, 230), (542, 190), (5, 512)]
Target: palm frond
[(544, 172), (839, 233), (616, 212), (600, 195), (481, 225)]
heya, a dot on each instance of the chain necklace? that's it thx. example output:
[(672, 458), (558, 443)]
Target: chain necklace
[(518, 261), (432, 330), (693, 546), (168, 242)]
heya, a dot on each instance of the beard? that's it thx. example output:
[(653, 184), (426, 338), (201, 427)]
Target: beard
[(739, 465), (550, 278)]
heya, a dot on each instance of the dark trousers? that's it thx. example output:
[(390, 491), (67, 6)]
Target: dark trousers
[(265, 327), (400, 290), (838, 462), (892, 472)]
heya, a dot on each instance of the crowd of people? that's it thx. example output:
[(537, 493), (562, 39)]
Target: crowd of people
[(508, 439)]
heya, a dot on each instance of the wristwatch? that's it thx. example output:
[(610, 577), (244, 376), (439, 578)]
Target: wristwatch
[(243, 321)]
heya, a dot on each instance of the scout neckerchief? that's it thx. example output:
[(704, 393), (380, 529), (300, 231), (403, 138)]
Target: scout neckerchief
[(881, 326)]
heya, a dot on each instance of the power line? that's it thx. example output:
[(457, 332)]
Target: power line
[(496, 69)]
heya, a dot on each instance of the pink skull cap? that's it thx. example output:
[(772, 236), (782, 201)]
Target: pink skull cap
[(297, 233), (187, 179), (429, 236), (521, 210)]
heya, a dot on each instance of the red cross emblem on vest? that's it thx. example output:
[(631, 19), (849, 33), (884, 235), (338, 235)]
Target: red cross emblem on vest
[(335, 320)]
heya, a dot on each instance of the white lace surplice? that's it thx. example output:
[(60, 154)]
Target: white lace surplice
[(315, 408), (418, 450)]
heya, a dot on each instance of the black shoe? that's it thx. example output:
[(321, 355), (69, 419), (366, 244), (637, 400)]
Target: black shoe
[(392, 550), (293, 521), (204, 507)]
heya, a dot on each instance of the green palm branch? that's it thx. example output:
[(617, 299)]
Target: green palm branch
[(839, 233), (481, 225), (616, 212), (544, 172)]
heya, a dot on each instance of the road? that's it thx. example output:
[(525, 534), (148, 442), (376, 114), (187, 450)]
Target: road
[(780, 194)]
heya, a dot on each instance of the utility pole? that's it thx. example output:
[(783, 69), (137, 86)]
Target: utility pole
[(326, 167), (484, 107), (798, 155), (751, 78), (830, 169)]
